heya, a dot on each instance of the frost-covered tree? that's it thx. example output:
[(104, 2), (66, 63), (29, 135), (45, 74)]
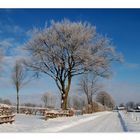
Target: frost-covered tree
[(105, 99), (45, 99), (89, 86), (48, 99), (5, 101), (76, 101), (122, 105), (19, 78), (130, 104), (66, 49)]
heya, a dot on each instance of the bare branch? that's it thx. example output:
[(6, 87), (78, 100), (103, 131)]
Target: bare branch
[(66, 49)]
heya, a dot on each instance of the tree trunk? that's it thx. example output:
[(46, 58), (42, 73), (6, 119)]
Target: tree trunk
[(64, 90), (90, 103), (17, 100), (64, 97), (89, 99)]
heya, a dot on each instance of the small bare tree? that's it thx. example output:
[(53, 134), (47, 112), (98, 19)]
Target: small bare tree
[(78, 102), (48, 99), (1, 100), (19, 78), (69, 102), (137, 104), (82, 102), (105, 99), (130, 105), (29, 105), (89, 86), (45, 98), (5, 101), (66, 49), (121, 105)]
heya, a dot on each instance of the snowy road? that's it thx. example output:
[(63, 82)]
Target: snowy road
[(105, 123), (96, 122)]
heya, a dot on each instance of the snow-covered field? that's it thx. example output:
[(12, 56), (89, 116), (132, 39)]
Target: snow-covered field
[(96, 122), (131, 121)]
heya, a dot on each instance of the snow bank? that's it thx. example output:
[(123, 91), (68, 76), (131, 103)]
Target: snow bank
[(71, 124), (4, 105), (32, 123), (130, 121)]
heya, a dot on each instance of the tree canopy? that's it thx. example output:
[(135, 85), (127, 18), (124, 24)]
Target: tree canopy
[(65, 49)]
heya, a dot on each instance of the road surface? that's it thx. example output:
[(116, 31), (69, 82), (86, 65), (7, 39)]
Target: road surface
[(96, 122), (104, 123)]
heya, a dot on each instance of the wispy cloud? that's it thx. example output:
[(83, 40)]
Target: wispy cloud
[(12, 37), (9, 28), (6, 43), (11, 47), (132, 65)]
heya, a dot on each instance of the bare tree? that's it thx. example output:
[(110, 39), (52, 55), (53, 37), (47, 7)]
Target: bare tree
[(66, 49), (1, 100), (48, 99), (89, 86), (122, 105), (105, 99), (82, 102), (5, 101), (29, 105), (130, 105), (137, 104), (78, 102), (45, 98), (19, 78), (69, 102)]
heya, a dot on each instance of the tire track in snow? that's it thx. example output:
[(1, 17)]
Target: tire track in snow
[(122, 122), (66, 126)]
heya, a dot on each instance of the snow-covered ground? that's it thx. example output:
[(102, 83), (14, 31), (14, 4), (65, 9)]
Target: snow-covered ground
[(131, 121), (96, 122), (105, 123)]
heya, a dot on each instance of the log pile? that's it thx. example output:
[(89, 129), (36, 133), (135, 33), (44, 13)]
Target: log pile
[(6, 115), (58, 113)]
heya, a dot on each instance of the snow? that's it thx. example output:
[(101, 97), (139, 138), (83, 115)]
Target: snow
[(4, 105), (104, 123), (52, 111), (96, 122), (131, 121), (71, 122)]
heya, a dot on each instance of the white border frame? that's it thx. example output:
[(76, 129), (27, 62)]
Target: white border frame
[(69, 3)]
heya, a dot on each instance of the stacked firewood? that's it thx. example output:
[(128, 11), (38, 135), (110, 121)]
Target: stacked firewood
[(6, 115), (58, 113)]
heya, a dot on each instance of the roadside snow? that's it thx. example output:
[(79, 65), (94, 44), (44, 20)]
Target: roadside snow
[(96, 122), (105, 123), (32, 123), (74, 121), (131, 121)]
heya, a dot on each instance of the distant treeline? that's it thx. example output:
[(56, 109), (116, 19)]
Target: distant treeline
[(5, 101), (130, 104)]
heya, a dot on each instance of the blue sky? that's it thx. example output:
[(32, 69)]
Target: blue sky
[(122, 26)]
